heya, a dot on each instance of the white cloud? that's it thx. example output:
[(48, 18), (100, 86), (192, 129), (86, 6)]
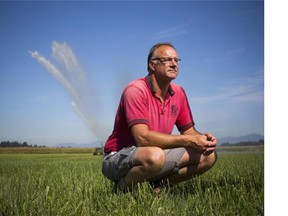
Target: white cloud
[(245, 89), (231, 53), (174, 31)]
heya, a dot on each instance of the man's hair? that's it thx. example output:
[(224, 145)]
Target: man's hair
[(152, 50)]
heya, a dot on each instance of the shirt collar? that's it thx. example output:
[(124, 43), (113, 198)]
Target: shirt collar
[(148, 79)]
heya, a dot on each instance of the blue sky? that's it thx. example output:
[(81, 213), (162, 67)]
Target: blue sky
[(101, 46)]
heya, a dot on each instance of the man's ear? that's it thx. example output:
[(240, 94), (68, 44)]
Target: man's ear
[(151, 66)]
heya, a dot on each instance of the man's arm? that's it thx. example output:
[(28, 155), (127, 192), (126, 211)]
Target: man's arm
[(189, 139)]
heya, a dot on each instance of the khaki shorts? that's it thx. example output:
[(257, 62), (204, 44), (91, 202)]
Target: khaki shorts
[(116, 164)]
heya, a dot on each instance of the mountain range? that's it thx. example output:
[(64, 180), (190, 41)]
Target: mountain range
[(229, 139), (80, 145), (234, 140)]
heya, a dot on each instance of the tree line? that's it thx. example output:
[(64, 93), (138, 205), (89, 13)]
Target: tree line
[(16, 144)]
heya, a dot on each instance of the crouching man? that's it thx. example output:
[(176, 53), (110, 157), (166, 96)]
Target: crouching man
[(142, 146)]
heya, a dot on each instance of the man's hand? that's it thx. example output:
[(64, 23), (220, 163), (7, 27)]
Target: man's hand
[(204, 143), (212, 145)]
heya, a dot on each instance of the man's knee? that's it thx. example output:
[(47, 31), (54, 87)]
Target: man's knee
[(153, 158)]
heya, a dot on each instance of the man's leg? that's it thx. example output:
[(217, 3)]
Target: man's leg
[(147, 162), (192, 164)]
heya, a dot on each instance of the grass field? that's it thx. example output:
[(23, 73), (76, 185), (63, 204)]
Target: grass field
[(71, 183)]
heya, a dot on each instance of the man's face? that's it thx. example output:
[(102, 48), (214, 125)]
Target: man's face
[(164, 63)]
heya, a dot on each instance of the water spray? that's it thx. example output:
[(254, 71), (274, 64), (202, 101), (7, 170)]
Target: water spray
[(74, 79)]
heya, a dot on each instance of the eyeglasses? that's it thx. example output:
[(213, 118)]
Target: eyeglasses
[(167, 60)]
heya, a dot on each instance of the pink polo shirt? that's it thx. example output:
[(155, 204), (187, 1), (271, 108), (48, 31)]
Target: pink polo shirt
[(140, 105)]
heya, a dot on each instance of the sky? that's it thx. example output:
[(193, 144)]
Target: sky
[(64, 64)]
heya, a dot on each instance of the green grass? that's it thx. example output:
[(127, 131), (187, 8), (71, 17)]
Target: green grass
[(72, 184)]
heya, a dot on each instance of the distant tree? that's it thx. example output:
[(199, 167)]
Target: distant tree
[(14, 144)]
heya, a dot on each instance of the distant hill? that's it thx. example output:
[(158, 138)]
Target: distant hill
[(79, 145), (234, 140)]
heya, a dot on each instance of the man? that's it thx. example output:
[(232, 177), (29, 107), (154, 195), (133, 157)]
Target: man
[(141, 146)]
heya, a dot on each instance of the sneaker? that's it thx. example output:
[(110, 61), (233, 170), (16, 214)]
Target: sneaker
[(119, 188), (159, 186)]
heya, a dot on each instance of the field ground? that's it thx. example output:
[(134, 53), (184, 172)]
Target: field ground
[(69, 182)]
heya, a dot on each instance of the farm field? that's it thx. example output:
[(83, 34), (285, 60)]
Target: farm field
[(49, 183)]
